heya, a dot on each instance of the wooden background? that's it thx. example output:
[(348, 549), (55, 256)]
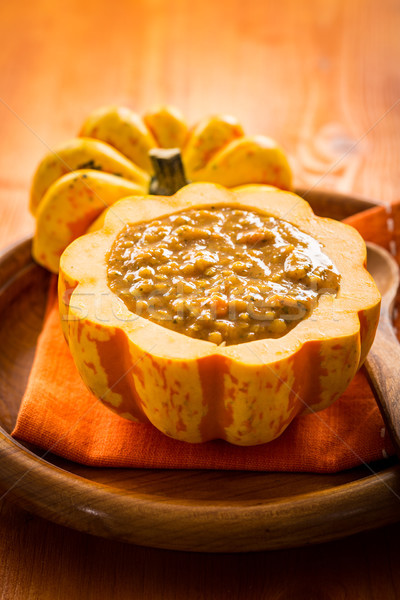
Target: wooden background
[(323, 78)]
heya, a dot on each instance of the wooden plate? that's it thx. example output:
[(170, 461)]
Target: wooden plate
[(213, 511)]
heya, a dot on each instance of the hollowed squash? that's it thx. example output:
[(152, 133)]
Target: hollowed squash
[(194, 390)]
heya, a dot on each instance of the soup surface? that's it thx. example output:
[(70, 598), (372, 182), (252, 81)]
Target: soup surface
[(222, 274)]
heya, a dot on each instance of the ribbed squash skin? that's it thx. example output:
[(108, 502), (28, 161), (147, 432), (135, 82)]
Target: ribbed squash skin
[(193, 390), (109, 160)]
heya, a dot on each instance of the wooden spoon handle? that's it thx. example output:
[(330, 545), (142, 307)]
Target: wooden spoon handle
[(383, 369)]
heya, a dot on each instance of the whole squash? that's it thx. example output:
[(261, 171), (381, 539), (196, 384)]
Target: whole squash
[(194, 390), (110, 160)]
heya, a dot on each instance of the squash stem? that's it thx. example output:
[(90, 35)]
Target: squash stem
[(169, 173)]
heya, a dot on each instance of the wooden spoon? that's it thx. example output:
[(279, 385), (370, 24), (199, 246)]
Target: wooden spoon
[(383, 360)]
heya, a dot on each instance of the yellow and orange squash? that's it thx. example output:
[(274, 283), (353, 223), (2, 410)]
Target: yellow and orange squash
[(110, 160), (194, 390)]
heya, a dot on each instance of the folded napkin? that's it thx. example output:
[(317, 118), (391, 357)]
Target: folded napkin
[(59, 415)]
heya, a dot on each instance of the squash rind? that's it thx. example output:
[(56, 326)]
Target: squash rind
[(190, 389), (117, 141), (80, 197)]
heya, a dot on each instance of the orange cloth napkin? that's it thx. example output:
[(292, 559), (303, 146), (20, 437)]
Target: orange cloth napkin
[(61, 416)]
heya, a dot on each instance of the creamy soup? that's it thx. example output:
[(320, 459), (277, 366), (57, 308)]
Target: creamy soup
[(223, 274)]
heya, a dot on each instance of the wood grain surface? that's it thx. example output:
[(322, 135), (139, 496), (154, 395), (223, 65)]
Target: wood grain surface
[(320, 76)]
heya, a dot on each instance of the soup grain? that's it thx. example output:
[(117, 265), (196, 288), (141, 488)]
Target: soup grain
[(222, 274)]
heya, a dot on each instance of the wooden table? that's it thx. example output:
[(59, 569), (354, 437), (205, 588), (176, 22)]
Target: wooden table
[(322, 77)]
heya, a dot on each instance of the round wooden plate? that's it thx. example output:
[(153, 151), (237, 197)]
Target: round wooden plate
[(212, 511)]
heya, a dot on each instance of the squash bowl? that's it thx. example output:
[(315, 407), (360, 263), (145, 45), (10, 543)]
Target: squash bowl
[(193, 390)]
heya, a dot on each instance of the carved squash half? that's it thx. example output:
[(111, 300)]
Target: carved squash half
[(110, 160), (194, 390)]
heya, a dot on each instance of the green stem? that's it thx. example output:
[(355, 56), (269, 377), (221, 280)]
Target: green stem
[(169, 174)]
